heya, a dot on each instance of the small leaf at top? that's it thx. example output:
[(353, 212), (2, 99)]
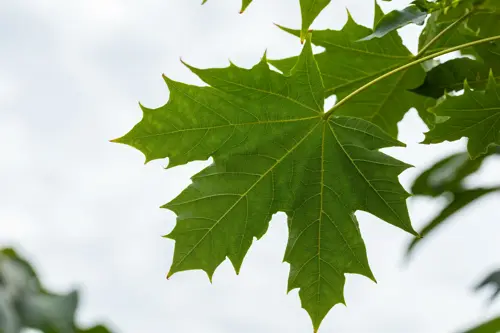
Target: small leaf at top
[(273, 150), (397, 19), (475, 115)]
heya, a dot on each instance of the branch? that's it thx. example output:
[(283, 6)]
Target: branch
[(406, 66)]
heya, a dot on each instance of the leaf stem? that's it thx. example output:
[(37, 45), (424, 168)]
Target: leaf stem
[(444, 31), (406, 66)]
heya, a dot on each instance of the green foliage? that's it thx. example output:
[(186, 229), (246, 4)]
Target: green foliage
[(450, 76), (418, 11), (274, 151), (475, 114), (347, 64), (274, 147), (398, 19), (24, 303)]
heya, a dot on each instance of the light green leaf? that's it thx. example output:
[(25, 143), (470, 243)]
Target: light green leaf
[(397, 19), (347, 64), (475, 114), (273, 150), (461, 199)]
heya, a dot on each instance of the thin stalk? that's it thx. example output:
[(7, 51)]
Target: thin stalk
[(406, 66), (439, 35)]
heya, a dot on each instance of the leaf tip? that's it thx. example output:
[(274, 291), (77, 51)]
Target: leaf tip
[(210, 276), (491, 80), (350, 19)]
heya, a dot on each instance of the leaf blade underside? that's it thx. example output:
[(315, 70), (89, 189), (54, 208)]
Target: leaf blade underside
[(273, 151)]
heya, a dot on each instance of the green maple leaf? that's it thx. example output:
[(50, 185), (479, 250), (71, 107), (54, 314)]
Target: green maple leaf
[(348, 63), (309, 10), (273, 150), (475, 115)]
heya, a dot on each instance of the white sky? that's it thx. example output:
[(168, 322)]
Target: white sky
[(85, 211)]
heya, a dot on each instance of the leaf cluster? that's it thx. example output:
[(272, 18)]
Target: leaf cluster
[(275, 147)]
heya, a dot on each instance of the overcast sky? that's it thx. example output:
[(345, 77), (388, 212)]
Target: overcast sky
[(86, 211)]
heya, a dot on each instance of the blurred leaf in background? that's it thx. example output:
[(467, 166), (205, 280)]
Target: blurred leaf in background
[(446, 179), (24, 303)]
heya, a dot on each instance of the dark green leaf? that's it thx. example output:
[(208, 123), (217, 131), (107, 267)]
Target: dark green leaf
[(273, 150), (460, 200), (397, 19), (347, 64), (475, 115), (485, 24), (450, 76)]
